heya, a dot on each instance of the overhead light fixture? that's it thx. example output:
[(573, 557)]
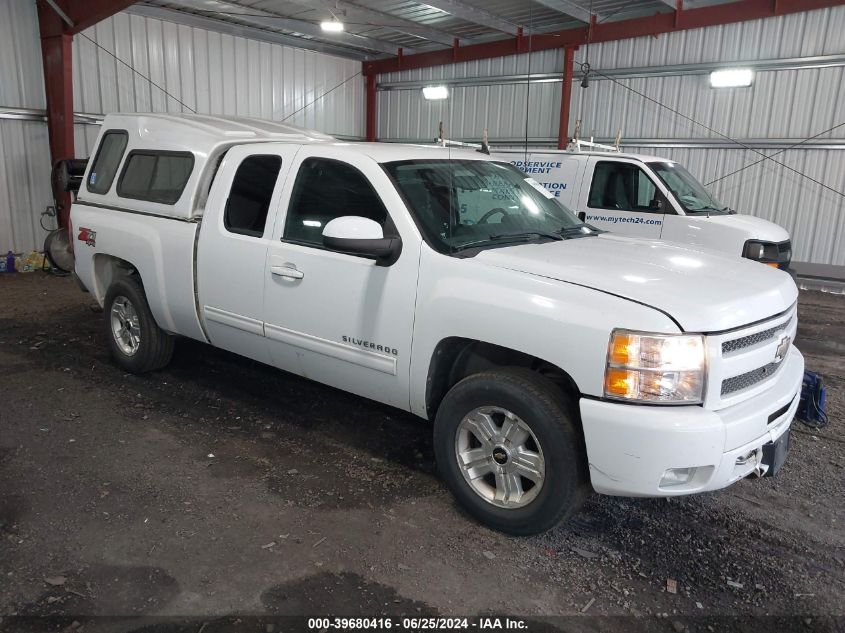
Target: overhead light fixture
[(332, 26), (731, 78), (433, 93)]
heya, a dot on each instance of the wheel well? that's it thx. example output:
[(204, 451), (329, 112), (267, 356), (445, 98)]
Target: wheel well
[(455, 358), (107, 268)]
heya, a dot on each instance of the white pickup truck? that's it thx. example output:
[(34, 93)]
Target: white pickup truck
[(649, 196), (551, 358)]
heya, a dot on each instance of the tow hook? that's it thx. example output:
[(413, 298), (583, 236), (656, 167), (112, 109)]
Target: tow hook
[(760, 469)]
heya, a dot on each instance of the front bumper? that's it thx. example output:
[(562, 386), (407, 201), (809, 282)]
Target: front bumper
[(630, 447)]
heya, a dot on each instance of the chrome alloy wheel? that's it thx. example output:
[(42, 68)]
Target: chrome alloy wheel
[(125, 325), (500, 457)]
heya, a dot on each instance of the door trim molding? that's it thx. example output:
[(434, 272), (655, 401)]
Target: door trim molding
[(371, 360), (238, 321)]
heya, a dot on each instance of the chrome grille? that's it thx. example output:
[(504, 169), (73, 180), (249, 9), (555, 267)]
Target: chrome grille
[(753, 339), (748, 379)]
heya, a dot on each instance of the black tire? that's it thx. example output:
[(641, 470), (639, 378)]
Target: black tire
[(155, 347), (550, 414)]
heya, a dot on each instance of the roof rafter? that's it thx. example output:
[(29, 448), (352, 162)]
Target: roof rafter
[(400, 25), (607, 31), (242, 30), (267, 20), (569, 8), (473, 14)]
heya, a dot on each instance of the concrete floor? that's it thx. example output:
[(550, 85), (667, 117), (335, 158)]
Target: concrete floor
[(220, 487)]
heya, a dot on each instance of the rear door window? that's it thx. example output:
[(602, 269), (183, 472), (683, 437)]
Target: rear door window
[(155, 176), (107, 160), (251, 193)]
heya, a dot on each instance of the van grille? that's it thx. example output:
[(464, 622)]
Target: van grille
[(753, 339)]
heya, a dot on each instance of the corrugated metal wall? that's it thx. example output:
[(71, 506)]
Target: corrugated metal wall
[(208, 71), (24, 152), (781, 104), (404, 114)]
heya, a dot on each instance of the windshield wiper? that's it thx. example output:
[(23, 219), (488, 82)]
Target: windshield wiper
[(520, 234), (516, 236), (578, 231)]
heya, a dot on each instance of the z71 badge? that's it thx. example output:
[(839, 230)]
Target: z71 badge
[(88, 236)]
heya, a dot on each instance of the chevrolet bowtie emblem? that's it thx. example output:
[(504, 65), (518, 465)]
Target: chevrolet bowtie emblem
[(783, 349)]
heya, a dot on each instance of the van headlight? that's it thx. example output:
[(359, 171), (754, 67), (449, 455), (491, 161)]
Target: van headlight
[(763, 252), (655, 368)]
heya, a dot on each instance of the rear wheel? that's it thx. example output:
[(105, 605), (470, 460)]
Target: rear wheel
[(509, 449), (136, 342)]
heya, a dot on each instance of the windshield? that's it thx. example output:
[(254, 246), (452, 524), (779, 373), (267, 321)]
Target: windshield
[(690, 193), (464, 204)]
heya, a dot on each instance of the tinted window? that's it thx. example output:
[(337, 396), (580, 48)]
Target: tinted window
[(155, 176), (325, 190), (111, 149), (252, 190), (622, 186)]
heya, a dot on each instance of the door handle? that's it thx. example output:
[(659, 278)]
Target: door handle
[(288, 270)]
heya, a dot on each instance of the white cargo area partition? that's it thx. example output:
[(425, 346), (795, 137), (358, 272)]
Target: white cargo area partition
[(211, 72), (798, 91)]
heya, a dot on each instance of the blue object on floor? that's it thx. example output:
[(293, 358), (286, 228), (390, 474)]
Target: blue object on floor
[(812, 403)]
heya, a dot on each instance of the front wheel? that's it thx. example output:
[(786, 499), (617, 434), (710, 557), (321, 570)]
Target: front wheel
[(137, 343), (509, 449)]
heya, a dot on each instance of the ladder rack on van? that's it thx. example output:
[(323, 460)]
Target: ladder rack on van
[(483, 147), (576, 144)]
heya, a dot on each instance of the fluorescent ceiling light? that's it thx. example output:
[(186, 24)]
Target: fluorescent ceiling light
[(435, 92), (731, 78), (332, 26)]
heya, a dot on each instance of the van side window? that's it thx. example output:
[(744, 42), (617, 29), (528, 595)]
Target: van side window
[(107, 160), (324, 190), (624, 187), (157, 176), (251, 193)]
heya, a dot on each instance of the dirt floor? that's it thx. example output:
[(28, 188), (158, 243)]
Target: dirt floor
[(220, 487)]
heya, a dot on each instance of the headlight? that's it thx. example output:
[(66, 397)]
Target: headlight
[(655, 368), (764, 252)]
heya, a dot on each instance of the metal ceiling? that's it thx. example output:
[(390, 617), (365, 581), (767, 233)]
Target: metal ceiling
[(376, 29)]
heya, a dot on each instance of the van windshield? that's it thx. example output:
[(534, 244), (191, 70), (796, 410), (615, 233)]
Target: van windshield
[(464, 204), (690, 193)]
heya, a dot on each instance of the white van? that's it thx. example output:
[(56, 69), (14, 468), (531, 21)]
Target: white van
[(649, 196)]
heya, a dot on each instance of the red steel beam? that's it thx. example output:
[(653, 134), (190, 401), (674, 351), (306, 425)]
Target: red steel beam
[(566, 96), (739, 11), (86, 13), (57, 58)]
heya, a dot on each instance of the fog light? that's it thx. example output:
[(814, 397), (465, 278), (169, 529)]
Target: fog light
[(676, 477)]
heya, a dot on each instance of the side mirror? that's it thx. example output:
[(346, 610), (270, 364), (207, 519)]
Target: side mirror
[(659, 203), (361, 236)]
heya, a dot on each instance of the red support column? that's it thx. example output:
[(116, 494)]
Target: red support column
[(371, 108), (57, 33), (56, 52), (566, 96)]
